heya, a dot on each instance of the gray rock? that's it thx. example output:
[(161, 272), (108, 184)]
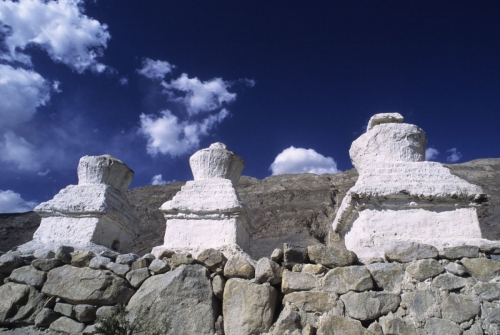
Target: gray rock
[(109, 254), (422, 304), (12, 295), (139, 264), (288, 322), (495, 257), (331, 257), (487, 291), (238, 267), (181, 258), (455, 269), (44, 254), (248, 308), (10, 261), (63, 253), (435, 326), (46, 264), (332, 325), (293, 254), (64, 309), (314, 268), (297, 268), (119, 269), (376, 328), (105, 311), (45, 317), (166, 253), (87, 286), (67, 325), (85, 313), (218, 284), (350, 278), (277, 255), (159, 266), (493, 316), (459, 308), (407, 251), (449, 282), (482, 269), (475, 329), (308, 330), (99, 262), (219, 326), (297, 281), (183, 296), (212, 259), (311, 301), (425, 268), (370, 305), (28, 275), (460, 252), (387, 276), (137, 277), (148, 257), (268, 271), (127, 259), (394, 325)]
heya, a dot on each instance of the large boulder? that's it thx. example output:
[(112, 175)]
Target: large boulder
[(28, 275), (387, 276), (350, 278), (19, 304), (248, 308), (182, 297), (482, 269), (333, 325), (87, 286), (369, 305)]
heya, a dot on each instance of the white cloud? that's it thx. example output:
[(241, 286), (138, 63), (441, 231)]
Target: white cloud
[(55, 86), (155, 69), (198, 96), (11, 202), (431, 154), (169, 135), (300, 160), (17, 151), (43, 174), (123, 81), (58, 27), (21, 93), (158, 180), (454, 156)]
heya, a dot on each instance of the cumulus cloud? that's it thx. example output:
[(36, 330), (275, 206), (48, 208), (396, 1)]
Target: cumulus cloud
[(300, 160), (155, 69), (199, 96), (431, 154), (168, 134), (11, 202), (58, 27), (16, 151), (123, 81), (157, 180), (21, 93), (454, 155)]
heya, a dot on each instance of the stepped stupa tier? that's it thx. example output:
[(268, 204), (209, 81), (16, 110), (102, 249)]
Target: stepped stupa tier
[(399, 196), (207, 212), (93, 213)]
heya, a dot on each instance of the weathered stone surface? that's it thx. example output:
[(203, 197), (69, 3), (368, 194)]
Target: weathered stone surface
[(297, 268), (435, 326), (64, 309), (482, 269), (12, 295), (269, 271), (137, 277), (487, 291), (85, 313), (248, 308), (139, 264), (99, 262), (369, 305), (448, 282), (425, 268), (105, 311), (183, 296), (28, 275), (407, 251), (63, 253), (474, 330), (81, 259), (44, 254), (10, 261), (46, 264), (422, 304), (126, 258), (27, 303), (459, 308), (181, 258), (288, 323), (238, 267), (311, 301), (332, 325), (314, 268), (212, 259), (455, 269), (67, 325), (330, 256), (159, 266), (119, 269), (293, 254), (460, 252), (86, 286), (218, 284), (350, 278), (387, 276), (297, 281), (277, 255), (148, 257), (45, 317), (109, 254), (394, 325)]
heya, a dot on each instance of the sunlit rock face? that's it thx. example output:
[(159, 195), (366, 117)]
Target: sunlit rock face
[(94, 212), (207, 212), (399, 196)]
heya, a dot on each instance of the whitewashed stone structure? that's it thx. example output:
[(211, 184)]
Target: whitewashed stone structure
[(93, 213), (399, 196), (207, 212)]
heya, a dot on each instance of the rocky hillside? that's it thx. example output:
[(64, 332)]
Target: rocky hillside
[(286, 208)]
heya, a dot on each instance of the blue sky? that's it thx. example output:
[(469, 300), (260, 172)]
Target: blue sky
[(288, 85)]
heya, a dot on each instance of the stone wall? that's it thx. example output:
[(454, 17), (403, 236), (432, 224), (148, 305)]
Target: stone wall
[(297, 290)]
